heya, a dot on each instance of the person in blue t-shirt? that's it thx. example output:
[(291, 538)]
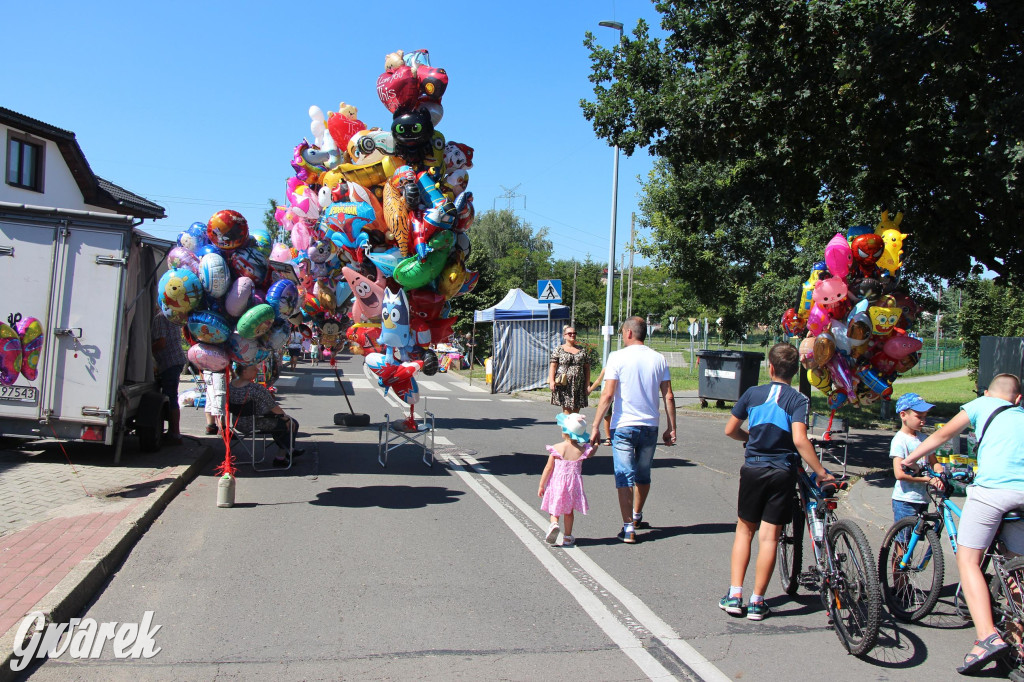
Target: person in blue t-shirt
[(776, 441), (998, 488)]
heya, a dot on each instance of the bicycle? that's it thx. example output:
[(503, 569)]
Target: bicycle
[(911, 603), (911, 582), (843, 571)]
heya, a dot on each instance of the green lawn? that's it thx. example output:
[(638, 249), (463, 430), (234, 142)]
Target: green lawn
[(947, 395)]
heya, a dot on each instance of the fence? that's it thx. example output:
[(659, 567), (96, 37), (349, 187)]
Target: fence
[(946, 358)]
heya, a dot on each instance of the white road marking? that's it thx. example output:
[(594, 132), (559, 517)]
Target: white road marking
[(513, 400), (476, 400), (593, 606), (433, 385), (287, 382), (441, 440), (643, 614), (357, 383), (472, 389)]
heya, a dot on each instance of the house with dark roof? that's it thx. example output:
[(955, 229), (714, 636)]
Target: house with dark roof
[(44, 166)]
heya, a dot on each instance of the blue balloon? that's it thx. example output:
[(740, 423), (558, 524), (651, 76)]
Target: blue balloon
[(194, 238), (209, 248)]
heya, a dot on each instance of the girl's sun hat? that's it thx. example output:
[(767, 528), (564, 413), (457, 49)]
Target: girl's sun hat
[(574, 424)]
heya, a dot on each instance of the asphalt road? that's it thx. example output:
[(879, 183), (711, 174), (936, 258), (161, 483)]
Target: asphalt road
[(341, 569)]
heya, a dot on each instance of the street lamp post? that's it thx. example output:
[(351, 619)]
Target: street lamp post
[(607, 331)]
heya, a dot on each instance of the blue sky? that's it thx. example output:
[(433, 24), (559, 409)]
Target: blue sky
[(198, 105)]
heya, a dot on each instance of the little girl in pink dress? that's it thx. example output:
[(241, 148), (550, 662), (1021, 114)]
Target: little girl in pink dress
[(561, 484)]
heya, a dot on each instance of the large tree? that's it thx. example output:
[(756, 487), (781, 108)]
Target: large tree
[(508, 254), (779, 121)]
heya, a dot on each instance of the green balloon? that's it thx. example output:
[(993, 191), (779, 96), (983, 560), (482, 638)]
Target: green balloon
[(412, 273)]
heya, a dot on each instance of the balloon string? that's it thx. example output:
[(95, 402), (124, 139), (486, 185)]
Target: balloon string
[(228, 465), (828, 431), (73, 469)]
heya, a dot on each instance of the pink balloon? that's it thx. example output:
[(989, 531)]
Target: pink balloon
[(900, 346), (841, 375), (301, 238), (817, 320), (838, 256), (280, 253)]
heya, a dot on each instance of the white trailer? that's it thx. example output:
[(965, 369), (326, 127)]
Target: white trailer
[(90, 279)]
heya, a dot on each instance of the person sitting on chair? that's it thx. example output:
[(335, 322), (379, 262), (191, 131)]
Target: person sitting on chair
[(268, 415)]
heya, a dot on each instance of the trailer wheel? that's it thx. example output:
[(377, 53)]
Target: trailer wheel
[(149, 420), (149, 438)]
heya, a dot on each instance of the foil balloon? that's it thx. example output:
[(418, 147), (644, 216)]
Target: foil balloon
[(194, 238), (395, 318), (842, 377), (818, 320), (824, 348), (820, 379), (838, 256), (227, 230), (899, 346), (11, 355), (31, 332), (806, 351)]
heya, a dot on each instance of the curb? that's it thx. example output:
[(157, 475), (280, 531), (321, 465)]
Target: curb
[(79, 586)]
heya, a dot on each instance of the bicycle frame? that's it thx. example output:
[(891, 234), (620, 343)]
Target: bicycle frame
[(822, 548), (945, 521)]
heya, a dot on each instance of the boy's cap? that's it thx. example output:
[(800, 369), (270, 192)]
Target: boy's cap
[(912, 401)]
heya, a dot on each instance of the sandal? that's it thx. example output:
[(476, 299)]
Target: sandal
[(973, 662), (211, 430)]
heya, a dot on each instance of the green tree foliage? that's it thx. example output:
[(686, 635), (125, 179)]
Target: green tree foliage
[(277, 233), (778, 122), (508, 254), (988, 309)]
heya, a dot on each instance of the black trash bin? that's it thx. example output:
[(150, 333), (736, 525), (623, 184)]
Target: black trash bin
[(726, 374)]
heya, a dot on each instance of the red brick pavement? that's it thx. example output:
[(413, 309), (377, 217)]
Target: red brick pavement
[(34, 560)]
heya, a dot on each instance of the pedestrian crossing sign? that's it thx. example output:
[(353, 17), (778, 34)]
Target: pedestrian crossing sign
[(549, 290)]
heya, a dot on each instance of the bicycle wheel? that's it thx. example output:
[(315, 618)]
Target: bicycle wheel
[(1008, 607), (790, 552), (910, 593), (855, 597)]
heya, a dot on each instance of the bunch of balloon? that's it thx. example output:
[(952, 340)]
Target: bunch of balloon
[(855, 317), (379, 221), (220, 289)]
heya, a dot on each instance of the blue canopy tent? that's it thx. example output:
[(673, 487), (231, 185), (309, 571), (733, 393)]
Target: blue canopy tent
[(525, 333)]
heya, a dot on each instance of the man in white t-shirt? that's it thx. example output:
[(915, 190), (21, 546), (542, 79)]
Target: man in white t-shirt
[(636, 378)]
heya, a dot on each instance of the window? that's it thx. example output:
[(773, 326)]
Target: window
[(24, 162)]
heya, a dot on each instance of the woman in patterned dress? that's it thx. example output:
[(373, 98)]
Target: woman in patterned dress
[(573, 363)]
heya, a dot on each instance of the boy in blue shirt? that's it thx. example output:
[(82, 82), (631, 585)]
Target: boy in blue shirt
[(998, 488), (776, 441), (910, 494)]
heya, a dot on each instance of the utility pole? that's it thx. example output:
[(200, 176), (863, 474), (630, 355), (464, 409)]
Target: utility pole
[(572, 311), (938, 315), (622, 265), (632, 248)]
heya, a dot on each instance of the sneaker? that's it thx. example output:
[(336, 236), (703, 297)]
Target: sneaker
[(731, 605), (211, 429), (629, 534), (639, 523), (568, 541), (552, 534), (758, 610)]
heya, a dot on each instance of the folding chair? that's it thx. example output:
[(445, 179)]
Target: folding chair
[(834, 442), (246, 409), (200, 400)]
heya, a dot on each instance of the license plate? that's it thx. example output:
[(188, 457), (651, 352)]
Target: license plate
[(22, 393)]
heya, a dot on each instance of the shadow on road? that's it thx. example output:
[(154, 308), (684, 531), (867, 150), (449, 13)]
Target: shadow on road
[(386, 497)]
